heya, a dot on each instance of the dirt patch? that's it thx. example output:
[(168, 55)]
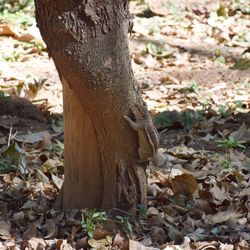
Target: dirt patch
[(21, 114)]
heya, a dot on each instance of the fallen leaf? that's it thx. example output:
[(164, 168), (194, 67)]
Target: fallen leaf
[(242, 134), (5, 228), (120, 241), (102, 243), (184, 184), (30, 232), (57, 181), (26, 37), (32, 137), (42, 177), (6, 30), (221, 217), (51, 229), (137, 245), (158, 235)]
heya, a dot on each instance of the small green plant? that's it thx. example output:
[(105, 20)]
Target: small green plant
[(224, 111), (12, 57), (124, 220), (239, 104), (56, 148), (91, 219), (190, 118), (190, 88), (226, 164), (231, 143), (7, 166), (40, 45), (242, 5), (247, 85), (13, 6), (13, 159)]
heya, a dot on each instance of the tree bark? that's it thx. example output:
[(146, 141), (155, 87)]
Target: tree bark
[(88, 43)]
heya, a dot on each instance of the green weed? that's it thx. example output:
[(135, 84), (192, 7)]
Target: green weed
[(12, 57), (224, 111), (190, 88), (231, 143), (124, 220), (56, 148), (226, 164), (13, 159), (91, 219)]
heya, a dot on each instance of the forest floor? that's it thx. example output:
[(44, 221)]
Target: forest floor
[(192, 61)]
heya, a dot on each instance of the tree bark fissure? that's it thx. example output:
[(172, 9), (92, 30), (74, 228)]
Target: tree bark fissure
[(88, 43)]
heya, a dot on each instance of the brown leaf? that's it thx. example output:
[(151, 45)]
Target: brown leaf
[(25, 37), (175, 235), (158, 235), (184, 184), (137, 245), (37, 243), (30, 232), (51, 229), (155, 220), (102, 243), (100, 233), (82, 244), (63, 245), (120, 241), (5, 30)]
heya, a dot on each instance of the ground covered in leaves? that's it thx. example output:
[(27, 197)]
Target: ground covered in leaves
[(191, 59)]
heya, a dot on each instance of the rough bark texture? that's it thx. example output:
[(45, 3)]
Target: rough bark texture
[(87, 40)]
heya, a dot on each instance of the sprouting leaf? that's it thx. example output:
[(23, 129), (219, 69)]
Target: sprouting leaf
[(222, 11)]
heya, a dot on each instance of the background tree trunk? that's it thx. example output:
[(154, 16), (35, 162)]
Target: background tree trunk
[(88, 43)]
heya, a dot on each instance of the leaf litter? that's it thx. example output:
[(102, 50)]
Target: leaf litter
[(191, 61)]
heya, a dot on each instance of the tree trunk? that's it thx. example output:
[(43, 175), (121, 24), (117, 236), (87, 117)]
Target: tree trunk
[(88, 43)]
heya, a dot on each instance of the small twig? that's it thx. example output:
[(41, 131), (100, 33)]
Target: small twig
[(209, 235), (119, 210), (40, 100), (11, 137)]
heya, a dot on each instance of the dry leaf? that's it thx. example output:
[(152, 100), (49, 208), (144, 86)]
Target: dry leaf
[(25, 38), (31, 232), (5, 228), (137, 245), (184, 184), (51, 229), (158, 235), (57, 181), (6, 30), (221, 217)]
